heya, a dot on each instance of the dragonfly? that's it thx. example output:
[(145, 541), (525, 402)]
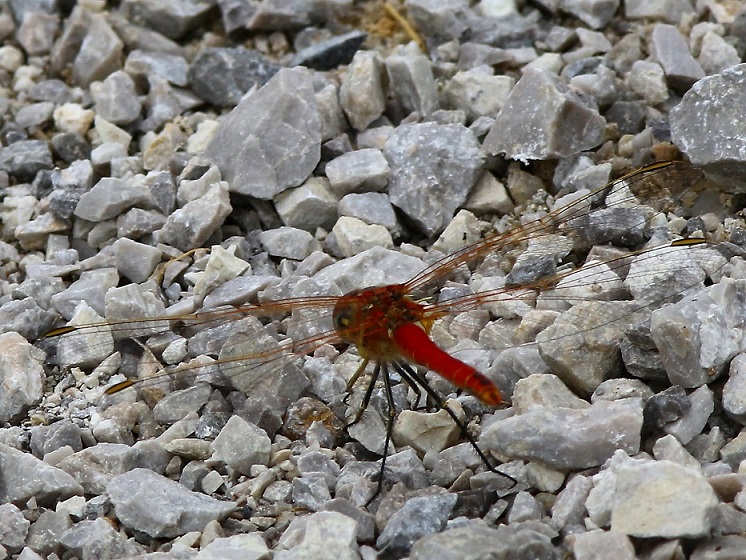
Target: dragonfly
[(391, 325)]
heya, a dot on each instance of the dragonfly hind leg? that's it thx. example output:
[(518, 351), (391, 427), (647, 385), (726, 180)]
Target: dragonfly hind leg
[(408, 372)]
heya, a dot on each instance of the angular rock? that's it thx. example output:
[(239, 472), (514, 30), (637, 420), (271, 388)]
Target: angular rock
[(419, 516), (192, 224), (358, 171), (482, 541), (162, 508), (91, 540), (288, 242), (107, 199), (330, 53), (25, 158), (568, 439), (222, 76), (669, 11), (698, 336), (172, 18), (21, 376), (241, 445), (711, 102), (597, 544), (247, 546), (671, 51), (477, 94), (100, 53), (593, 331), (310, 206), (433, 168), (361, 94), (168, 66), (412, 81), (660, 499), (13, 528), (271, 141), (315, 543), (542, 118), (94, 467), (596, 13), (23, 476), (116, 99), (353, 236)]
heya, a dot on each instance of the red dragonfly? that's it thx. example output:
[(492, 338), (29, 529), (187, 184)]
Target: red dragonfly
[(390, 325)]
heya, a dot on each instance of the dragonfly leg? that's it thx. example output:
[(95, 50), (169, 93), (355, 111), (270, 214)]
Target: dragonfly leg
[(402, 367), (389, 429), (368, 391)]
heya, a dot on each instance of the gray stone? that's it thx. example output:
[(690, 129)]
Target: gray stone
[(21, 376), (176, 405), (670, 449), (45, 533), (481, 541), (375, 267), (46, 439), (717, 54), (94, 467), (371, 208), (13, 528), (438, 20), (477, 94), (137, 223), (671, 51), (247, 546), (192, 224), (37, 32), (241, 445), (107, 199), (361, 94), (615, 389), (569, 507), (426, 432), (582, 346), (596, 545), (100, 53), (666, 10), (91, 540), (358, 171), (698, 336), (309, 206), (366, 525), (24, 477), (433, 168), (140, 65), (25, 158), (647, 80), (289, 242), (315, 543), (278, 15), (419, 516), (542, 118), (713, 102), (734, 391), (116, 99), (134, 260), (162, 508), (260, 155), (412, 81), (695, 418), (352, 236), (330, 53), (662, 499), (596, 13), (35, 114), (524, 508), (544, 390), (566, 439), (222, 76), (172, 18)]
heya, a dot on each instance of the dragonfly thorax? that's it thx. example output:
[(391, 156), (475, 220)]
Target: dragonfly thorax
[(367, 318)]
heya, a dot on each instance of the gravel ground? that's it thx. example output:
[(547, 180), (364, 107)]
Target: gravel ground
[(166, 158)]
